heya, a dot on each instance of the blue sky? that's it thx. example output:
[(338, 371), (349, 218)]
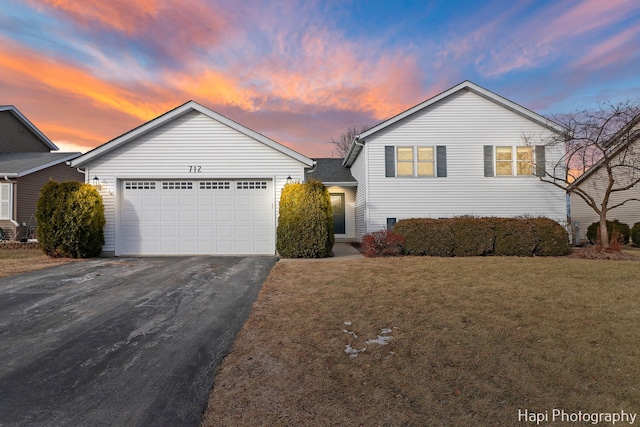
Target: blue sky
[(302, 72)]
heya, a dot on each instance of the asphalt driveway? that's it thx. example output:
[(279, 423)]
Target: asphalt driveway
[(120, 341)]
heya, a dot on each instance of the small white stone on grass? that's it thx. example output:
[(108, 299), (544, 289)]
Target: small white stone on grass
[(352, 352), (380, 341)]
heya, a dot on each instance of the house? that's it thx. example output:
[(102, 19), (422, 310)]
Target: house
[(342, 190), (625, 166), (461, 152), (191, 181), (26, 164)]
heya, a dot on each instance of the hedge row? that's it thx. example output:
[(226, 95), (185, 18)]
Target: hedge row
[(470, 236)]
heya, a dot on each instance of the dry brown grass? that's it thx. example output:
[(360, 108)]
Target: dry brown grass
[(473, 341), (19, 261)]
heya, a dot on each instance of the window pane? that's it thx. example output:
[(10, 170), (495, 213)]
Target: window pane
[(405, 153), (425, 153), (524, 153), (525, 168), (405, 168), (503, 168), (503, 153), (425, 168)]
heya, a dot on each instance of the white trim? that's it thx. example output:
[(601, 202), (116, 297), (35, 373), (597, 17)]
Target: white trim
[(177, 112)]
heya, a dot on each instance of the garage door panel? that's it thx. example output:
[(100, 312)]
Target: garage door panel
[(197, 217)]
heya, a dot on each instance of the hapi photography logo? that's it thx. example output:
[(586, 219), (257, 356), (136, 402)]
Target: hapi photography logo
[(560, 415)]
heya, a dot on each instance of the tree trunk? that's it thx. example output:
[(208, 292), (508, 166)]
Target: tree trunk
[(604, 233)]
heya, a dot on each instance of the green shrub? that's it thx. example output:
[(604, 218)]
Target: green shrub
[(305, 223), (635, 234), (623, 229), (426, 236), (473, 236), (382, 243), (514, 237), (551, 238), (70, 217)]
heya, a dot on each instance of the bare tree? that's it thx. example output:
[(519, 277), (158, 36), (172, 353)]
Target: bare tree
[(601, 157), (343, 142)]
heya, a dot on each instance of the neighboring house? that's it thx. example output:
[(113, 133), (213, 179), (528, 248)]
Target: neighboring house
[(26, 164), (191, 181), (625, 157), (342, 189), (461, 152)]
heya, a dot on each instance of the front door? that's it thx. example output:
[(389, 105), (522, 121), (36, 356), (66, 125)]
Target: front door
[(337, 204)]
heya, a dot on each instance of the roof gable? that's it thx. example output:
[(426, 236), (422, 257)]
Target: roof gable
[(178, 112), (356, 146), (30, 126)]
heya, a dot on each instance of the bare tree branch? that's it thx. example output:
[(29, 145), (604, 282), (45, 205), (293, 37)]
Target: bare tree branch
[(343, 142)]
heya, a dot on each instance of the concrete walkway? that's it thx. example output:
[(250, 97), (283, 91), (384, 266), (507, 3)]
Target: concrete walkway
[(341, 252)]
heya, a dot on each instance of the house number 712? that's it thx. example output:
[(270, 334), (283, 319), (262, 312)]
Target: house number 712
[(195, 169)]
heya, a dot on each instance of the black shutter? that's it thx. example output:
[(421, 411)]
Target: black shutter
[(390, 160), (488, 160), (540, 161), (441, 159)]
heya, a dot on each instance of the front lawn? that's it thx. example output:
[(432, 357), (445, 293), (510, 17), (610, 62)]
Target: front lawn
[(19, 261), (471, 341)]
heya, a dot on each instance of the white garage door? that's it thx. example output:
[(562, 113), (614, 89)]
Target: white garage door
[(172, 217)]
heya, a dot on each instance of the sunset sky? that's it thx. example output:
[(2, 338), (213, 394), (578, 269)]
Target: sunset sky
[(300, 72)]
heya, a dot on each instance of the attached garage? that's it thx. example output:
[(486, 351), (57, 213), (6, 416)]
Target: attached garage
[(191, 182)]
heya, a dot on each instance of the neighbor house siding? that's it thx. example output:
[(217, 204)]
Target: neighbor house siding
[(15, 137), (582, 215), (193, 139), (463, 122), (28, 188)]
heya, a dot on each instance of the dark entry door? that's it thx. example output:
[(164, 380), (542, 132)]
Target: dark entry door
[(337, 204)]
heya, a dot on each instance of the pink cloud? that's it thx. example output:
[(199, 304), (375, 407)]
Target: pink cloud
[(610, 51)]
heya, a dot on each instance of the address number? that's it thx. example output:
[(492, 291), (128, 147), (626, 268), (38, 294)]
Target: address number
[(195, 169)]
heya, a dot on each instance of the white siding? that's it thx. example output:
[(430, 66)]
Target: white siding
[(350, 210), (583, 215), (463, 122), (359, 172), (169, 151)]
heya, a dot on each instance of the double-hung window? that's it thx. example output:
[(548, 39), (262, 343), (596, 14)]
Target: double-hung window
[(513, 160), (416, 161), (5, 200)]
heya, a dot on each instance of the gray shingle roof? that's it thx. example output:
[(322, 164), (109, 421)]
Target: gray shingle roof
[(331, 170), (18, 164)]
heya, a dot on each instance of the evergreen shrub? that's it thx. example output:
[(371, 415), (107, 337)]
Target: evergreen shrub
[(70, 217), (552, 239), (622, 228), (635, 234), (426, 236), (305, 222)]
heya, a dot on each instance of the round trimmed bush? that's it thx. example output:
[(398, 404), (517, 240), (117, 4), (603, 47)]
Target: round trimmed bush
[(551, 238), (622, 228), (426, 236), (70, 217), (635, 234), (514, 237), (473, 236)]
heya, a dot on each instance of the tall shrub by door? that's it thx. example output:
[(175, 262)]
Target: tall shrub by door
[(305, 224)]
